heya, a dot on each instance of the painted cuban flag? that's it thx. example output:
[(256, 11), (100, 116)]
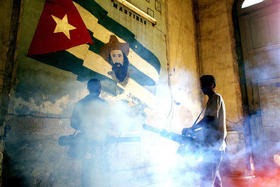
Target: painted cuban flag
[(79, 37)]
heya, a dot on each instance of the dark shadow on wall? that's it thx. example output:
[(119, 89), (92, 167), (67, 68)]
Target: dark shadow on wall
[(10, 177)]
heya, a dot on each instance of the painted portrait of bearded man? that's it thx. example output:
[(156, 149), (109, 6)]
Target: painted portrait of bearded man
[(116, 53)]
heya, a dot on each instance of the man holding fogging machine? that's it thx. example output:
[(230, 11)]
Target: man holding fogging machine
[(213, 126), (90, 120), (94, 120)]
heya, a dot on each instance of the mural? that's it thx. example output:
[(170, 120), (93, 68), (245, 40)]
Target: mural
[(112, 54), (74, 42)]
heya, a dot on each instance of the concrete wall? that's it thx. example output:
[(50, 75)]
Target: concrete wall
[(35, 119), (6, 12), (43, 97), (9, 13), (217, 54), (183, 66)]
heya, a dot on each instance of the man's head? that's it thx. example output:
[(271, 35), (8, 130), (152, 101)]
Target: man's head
[(117, 56), (207, 83), (94, 87), (119, 62), (116, 53)]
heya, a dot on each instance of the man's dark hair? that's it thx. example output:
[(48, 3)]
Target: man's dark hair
[(207, 80), (94, 86)]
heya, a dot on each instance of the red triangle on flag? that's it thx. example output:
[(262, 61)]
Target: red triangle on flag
[(60, 27)]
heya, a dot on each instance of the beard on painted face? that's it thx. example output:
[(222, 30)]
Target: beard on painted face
[(120, 71)]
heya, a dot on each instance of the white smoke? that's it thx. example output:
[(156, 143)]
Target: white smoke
[(153, 160), (147, 160)]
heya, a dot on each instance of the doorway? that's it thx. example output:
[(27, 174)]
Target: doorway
[(260, 45)]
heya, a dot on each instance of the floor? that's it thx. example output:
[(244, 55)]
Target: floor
[(254, 180)]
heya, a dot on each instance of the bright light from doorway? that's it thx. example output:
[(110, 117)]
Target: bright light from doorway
[(248, 3)]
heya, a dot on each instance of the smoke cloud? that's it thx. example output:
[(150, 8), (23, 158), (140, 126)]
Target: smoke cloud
[(121, 153)]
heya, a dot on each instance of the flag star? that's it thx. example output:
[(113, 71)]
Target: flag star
[(62, 25)]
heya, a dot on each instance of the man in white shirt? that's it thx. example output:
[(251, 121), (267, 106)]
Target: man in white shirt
[(214, 124)]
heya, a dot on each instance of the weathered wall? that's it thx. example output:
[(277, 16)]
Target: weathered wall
[(217, 52), (43, 97), (6, 11), (183, 66), (38, 115), (45, 92), (9, 13)]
